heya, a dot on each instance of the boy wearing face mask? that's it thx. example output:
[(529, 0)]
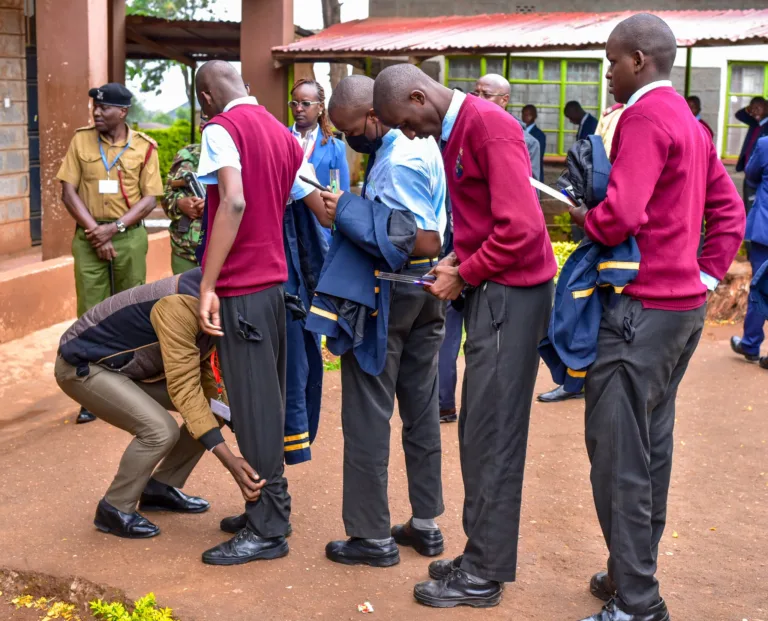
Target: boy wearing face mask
[(407, 176)]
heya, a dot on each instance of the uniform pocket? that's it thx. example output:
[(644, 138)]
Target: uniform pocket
[(92, 167), (496, 297), (247, 331)]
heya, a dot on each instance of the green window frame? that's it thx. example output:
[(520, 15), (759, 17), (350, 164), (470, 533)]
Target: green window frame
[(735, 98), (543, 77)]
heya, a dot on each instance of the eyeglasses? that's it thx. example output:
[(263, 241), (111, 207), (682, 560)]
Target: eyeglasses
[(484, 95), (304, 103)]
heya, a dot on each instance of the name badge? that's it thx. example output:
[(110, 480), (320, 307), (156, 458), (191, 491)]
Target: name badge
[(221, 409), (108, 186)]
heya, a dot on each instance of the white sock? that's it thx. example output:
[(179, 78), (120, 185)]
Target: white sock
[(421, 524)]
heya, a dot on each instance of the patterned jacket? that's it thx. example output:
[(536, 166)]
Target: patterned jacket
[(182, 244)]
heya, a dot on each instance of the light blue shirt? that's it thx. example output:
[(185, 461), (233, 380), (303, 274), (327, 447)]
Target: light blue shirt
[(710, 282), (453, 111), (408, 175), (217, 150)]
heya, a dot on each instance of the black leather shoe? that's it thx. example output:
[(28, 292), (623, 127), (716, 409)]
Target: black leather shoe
[(764, 362), (559, 394), (84, 417), (356, 551), (244, 547), (425, 542), (602, 587), (458, 589), (439, 570), (738, 348), (158, 496), (612, 612), (127, 525), (448, 416), (236, 523)]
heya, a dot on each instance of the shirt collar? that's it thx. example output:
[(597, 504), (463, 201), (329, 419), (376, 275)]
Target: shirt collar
[(128, 140), (388, 138), (453, 112), (251, 100), (764, 121), (647, 89), (312, 135), (698, 117), (528, 128)]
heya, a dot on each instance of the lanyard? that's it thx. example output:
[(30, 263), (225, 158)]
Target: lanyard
[(104, 155)]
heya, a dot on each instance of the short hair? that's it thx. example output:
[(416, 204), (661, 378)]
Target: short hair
[(694, 99), (395, 84), (530, 107), (652, 36), (572, 105), (758, 100), (355, 91)]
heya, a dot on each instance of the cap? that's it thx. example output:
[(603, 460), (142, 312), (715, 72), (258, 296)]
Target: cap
[(112, 94)]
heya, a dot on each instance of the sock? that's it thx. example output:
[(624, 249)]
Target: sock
[(421, 524)]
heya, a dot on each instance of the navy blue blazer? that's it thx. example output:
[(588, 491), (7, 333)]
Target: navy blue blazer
[(749, 142), (351, 305), (588, 128), (758, 292), (542, 138), (757, 176)]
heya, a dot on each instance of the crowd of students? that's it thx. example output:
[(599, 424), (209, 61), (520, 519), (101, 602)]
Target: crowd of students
[(447, 175)]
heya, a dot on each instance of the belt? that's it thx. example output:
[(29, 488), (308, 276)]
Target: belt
[(414, 261), (127, 228)]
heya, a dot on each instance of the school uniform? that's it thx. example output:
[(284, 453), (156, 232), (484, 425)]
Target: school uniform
[(541, 137), (757, 233), (408, 176), (505, 256), (587, 127), (647, 339), (757, 130)]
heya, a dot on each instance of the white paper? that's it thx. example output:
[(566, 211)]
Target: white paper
[(220, 409), (551, 192), (108, 186)]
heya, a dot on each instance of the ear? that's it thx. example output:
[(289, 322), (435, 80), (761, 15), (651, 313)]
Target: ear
[(418, 97), (505, 99), (639, 60)]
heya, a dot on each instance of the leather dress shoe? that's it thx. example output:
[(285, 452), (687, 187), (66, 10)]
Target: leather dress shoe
[(738, 348), (602, 587), (244, 547), (425, 542), (84, 416), (158, 496), (612, 612), (357, 551), (448, 416), (559, 394), (764, 362), (127, 525), (438, 570), (236, 523), (458, 589)]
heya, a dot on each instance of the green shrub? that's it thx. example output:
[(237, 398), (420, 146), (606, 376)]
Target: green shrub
[(170, 141), (562, 251), (145, 609), (563, 223)]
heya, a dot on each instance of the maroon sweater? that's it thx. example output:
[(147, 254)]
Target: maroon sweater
[(270, 158), (498, 227), (666, 178)]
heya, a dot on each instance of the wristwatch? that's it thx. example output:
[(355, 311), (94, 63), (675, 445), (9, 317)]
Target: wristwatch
[(120, 226)]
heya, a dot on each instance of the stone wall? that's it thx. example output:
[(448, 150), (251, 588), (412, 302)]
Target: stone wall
[(14, 148)]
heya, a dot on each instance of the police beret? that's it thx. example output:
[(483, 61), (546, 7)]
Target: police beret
[(112, 94)]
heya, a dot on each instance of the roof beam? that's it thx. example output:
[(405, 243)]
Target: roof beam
[(164, 51)]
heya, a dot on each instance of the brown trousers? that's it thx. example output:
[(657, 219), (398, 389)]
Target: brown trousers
[(141, 409)]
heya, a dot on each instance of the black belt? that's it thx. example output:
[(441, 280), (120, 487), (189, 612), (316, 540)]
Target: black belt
[(127, 228)]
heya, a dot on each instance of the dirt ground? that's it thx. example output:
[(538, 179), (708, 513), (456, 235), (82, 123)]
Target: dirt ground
[(713, 558)]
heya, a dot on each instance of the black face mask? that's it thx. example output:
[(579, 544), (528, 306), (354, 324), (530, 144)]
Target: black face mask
[(363, 144)]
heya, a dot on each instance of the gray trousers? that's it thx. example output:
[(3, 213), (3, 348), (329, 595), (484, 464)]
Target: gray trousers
[(416, 329), (141, 409), (631, 388), (504, 326), (253, 359)]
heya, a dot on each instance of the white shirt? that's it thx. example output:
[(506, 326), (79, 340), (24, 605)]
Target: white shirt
[(647, 89), (217, 150), (450, 116), (307, 144)]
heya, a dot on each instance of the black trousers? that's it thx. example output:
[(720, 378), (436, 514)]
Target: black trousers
[(631, 388), (416, 329), (504, 326), (253, 358)]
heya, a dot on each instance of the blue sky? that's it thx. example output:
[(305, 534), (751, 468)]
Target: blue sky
[(307, 13)]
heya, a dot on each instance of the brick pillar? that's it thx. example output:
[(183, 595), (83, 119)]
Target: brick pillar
[(266, 24), (14, 149), (72, 57)]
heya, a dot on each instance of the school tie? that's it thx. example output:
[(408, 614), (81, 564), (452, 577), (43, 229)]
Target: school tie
[(371, 160)]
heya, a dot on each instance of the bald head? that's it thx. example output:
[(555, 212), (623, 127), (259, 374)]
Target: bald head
[(352, 93), (641, 50), (217, 83), (494, 88), (406, 97)]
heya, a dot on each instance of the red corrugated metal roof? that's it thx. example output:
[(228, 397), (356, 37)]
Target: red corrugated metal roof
[(431, 36)]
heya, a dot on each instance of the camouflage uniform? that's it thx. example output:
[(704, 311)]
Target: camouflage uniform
[(182, 244)]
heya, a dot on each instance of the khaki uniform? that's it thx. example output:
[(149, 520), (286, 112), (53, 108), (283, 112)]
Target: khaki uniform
[(183, 243), (138, 174)]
